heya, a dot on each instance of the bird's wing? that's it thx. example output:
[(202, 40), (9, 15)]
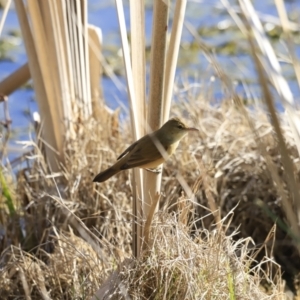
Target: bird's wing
[(127, 150), (140, 156)]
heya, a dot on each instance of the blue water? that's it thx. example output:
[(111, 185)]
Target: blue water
[(103, 14)]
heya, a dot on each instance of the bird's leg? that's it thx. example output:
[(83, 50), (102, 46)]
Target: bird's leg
[(156, 171)]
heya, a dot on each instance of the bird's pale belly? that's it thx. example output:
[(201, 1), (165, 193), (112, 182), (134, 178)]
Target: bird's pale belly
[(154, 164)]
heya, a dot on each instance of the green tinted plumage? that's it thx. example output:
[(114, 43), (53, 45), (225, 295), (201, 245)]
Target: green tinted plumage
[(151, 150)]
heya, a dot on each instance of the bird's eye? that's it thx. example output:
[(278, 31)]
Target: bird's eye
[(180, 126)]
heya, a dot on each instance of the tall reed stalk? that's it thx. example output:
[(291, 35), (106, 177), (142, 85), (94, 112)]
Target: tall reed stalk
[(160, 89)]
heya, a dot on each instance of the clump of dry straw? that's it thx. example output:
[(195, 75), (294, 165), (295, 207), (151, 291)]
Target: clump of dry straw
[(69, 234)]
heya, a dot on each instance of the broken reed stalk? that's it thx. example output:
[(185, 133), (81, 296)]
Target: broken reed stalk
[(15, 80), (95, 68)]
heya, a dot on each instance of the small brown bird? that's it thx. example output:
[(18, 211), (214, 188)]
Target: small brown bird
[(150, 151)]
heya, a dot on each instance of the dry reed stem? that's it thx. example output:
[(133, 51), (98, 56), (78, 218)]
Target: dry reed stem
[(172, 56), (152, 182), (138, 62), (148, 223), (95, 68), (15, 80), (136, 122), (4, 15), (36, 73)]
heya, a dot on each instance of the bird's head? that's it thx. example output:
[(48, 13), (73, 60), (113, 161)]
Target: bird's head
[(176, 129)]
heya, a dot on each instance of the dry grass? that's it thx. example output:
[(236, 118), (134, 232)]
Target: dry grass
[(207, 266), (67, 234), (63, 237)]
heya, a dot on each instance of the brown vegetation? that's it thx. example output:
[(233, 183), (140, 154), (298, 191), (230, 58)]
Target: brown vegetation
[(68, 234), (63, 237)]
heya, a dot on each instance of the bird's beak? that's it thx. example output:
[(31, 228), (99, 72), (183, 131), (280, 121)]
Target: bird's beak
[(192, 129)]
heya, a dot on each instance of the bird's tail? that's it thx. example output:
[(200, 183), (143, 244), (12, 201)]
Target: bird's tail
[(106, 174)]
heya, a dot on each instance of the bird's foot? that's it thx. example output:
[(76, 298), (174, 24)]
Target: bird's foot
[(155, 171)]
